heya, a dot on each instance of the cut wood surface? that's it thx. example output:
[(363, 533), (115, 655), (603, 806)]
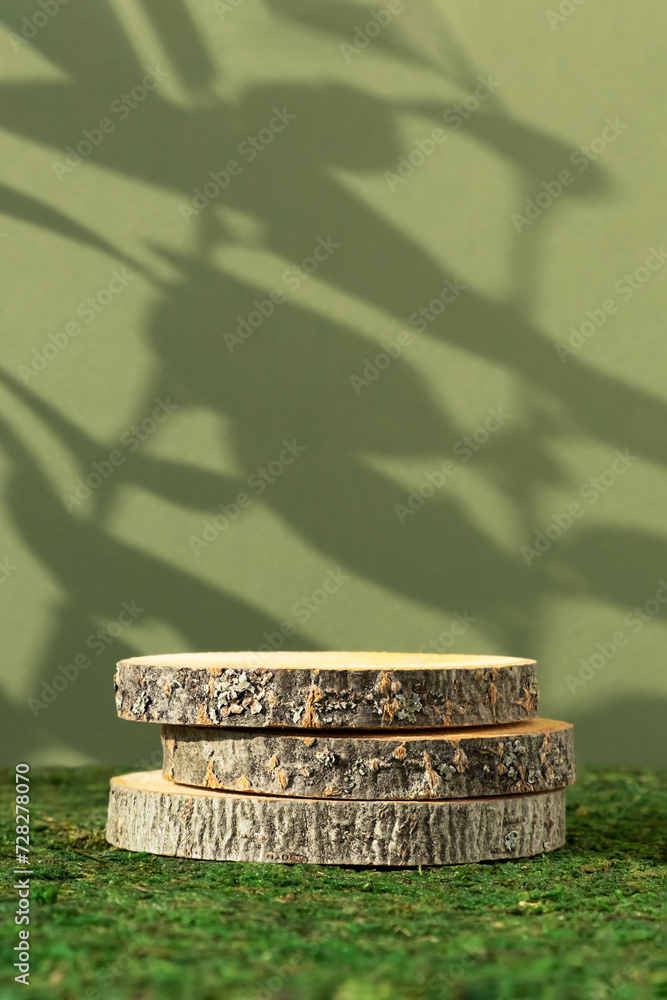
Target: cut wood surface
[(148, 813), (326, 690), (531, 756)]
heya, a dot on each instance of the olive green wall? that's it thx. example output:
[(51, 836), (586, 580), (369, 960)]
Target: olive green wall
[(124, 293)]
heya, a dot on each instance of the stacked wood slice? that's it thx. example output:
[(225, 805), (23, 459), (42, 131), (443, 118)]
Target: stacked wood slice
[(342, 758)]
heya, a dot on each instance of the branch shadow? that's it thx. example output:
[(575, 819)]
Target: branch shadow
[(291, 379)]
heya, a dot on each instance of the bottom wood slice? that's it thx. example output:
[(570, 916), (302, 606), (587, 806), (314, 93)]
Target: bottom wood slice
[(148, 813)]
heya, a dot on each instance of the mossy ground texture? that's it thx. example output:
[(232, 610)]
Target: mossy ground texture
[(586, 921)]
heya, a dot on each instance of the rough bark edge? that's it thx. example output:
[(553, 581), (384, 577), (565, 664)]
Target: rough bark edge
[(334, 699), (435, 766), (186, 822)]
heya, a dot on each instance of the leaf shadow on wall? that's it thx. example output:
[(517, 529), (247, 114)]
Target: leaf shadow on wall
[(291, 379)]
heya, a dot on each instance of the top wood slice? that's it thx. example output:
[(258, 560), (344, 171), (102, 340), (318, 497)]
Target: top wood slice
[(326, 690)]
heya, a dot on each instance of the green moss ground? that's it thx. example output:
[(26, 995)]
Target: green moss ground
[(583, 922)]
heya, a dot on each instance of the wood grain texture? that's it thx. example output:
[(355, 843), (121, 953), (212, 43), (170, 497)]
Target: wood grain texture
[(532, 756), (326, 690), (148, 813)]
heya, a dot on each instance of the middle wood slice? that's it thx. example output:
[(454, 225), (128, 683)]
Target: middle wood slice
[(532, 756)]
